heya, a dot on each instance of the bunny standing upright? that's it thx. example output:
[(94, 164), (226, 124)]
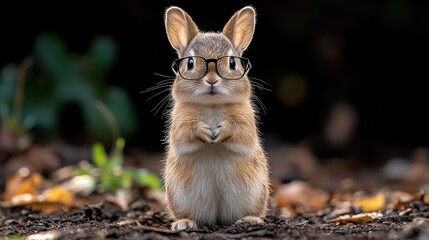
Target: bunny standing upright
[(216, 171)]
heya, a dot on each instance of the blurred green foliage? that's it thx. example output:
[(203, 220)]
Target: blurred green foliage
[(60, 77), (110, 174), (14, 237)]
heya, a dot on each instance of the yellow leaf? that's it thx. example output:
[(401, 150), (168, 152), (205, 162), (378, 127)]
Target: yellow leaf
[(371, 204), (59, 195), (17, 185), (47, 207)]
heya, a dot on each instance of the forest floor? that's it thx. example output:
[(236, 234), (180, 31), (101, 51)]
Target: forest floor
[(329, 200), (141, 221)]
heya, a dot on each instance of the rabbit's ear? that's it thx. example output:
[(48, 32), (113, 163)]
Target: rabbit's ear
[(240, 28), (180, 28)]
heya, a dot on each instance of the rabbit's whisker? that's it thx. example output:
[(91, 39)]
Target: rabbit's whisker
[(258, 79), (165, 76), (160, 104), (165, 90), (169, 80), (261, 104), (156, 87)]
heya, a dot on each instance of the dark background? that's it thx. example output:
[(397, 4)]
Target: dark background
[(372, 55)]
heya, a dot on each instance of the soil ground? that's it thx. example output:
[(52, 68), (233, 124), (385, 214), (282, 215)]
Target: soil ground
[(144, 216), (142, 221)]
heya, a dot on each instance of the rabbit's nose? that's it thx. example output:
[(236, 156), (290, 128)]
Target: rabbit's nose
[(212, 78), (212, 82)]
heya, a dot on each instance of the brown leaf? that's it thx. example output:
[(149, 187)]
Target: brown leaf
[(357, 218), (17, 185), (300, 197), (24, 191), (400, 200)]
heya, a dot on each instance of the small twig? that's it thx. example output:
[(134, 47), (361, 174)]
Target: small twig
[(110, 119), (19, 94)]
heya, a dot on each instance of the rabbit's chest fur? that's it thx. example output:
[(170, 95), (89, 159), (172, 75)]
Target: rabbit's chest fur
[(216, 193), (212, 116), (217, 188)]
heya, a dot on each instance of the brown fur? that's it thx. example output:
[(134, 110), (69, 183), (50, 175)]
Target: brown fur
[(216, 171)]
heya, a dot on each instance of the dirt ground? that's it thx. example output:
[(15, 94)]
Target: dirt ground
[(142, 220), (322, 206)]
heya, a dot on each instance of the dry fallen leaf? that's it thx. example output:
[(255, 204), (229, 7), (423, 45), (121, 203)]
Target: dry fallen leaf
[(82, 185), (400, 200), (371, 204), (300, 197), (26, 192), (60, 195), (44, 235), (37, 202), (122, 199), (357, 218), (46, 206), (17, 185)]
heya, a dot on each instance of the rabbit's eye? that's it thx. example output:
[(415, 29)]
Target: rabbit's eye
[(232, 63), (190, 65)]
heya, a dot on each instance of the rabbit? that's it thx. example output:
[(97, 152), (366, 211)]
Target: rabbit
[(215, 169)]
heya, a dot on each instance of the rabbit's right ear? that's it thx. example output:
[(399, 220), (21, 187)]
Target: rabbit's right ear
[(240, 28), (180, 28)]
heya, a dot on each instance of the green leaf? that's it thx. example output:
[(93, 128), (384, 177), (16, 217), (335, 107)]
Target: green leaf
[(103, 53), (8, 79), (123, 109), (120, 106), (146, 178), (97, 125), (120, 144), (15, 237), (4, 111), (51, 51), (99, 155), (73, 87), (127, 179), (44, 112), (84, 171), (111, 173)]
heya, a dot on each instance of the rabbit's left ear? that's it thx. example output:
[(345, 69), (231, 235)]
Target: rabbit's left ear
[(180, 28), (240, 28)]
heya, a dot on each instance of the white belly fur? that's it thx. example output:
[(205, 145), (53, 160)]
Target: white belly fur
[(216, 195)]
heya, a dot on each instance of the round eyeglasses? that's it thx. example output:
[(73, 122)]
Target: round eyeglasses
[(227, 67)]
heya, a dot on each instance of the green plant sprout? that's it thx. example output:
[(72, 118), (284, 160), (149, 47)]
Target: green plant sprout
[(12, 84), (13, 237), (111, 175)]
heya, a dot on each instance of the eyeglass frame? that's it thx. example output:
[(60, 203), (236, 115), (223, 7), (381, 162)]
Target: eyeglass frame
[(176, 63)]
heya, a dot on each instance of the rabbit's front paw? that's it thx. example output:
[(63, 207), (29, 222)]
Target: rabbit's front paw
[(204, 133), (183, 224), (216, 133), (221, 133)]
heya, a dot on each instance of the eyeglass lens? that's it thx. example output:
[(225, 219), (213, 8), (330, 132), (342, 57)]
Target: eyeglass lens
[(227, 67)]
